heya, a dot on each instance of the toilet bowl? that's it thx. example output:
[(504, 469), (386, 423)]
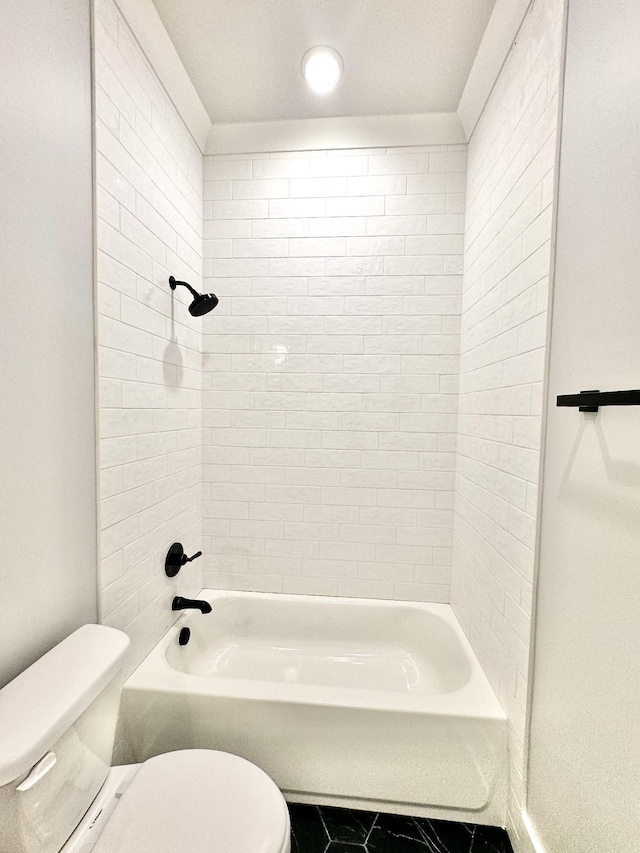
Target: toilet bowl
[(198, 800), (58, 793)]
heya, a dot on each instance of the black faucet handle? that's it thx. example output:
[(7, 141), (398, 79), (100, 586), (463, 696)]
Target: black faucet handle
[(176, 558), (186, 559)]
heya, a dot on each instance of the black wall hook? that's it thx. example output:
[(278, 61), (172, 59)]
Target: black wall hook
[(176, 558)]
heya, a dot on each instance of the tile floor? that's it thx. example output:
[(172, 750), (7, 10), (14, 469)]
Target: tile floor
[(320, 829)]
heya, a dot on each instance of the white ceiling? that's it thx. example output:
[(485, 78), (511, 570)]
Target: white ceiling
[(400, 56)]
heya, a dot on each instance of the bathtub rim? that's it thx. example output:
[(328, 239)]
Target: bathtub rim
[(474, 700)]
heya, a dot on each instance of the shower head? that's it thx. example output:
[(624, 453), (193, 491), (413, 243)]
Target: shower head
[(202, 302)]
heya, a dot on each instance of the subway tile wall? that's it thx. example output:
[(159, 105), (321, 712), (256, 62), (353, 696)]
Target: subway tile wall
[(149, 206), (330, 370), (509, 210)]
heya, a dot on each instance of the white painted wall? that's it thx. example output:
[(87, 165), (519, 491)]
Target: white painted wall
[(47, 423), (584, 788), (508, 232), (149, 202), (330, 370)]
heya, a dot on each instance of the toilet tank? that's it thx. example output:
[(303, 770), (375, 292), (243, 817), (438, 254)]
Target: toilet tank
[(57, 727)]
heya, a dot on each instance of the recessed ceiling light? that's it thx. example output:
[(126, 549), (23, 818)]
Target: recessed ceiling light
[(322, 68)]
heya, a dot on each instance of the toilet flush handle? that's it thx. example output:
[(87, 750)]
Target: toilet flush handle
[(38, 771)]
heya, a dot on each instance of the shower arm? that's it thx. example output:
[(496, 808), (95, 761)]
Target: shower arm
[(173, 284)]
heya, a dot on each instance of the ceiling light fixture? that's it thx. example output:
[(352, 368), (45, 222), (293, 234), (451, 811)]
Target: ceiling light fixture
[(322, 68)]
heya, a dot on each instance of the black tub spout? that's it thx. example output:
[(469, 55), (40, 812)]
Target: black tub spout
[(180, 603)]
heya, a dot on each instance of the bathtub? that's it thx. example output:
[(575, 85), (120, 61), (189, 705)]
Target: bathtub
[(378, 705)]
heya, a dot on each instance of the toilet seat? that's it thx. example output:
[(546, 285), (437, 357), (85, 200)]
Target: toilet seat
[(198, 801)]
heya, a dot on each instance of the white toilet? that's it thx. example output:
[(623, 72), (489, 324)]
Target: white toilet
[(58, 793)]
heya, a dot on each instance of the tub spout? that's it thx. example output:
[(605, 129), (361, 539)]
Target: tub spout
[(180, 603)]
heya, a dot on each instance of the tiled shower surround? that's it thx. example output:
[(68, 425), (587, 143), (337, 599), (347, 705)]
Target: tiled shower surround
[(330, 370), (309, 434), (149, 191), (508, 233)]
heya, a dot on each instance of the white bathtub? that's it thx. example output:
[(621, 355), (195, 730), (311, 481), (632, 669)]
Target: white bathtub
[(370, 704)]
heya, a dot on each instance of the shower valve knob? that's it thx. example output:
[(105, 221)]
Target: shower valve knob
[(176, 558)]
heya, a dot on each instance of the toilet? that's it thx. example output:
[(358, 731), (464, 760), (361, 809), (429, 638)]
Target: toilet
[(59, 794)]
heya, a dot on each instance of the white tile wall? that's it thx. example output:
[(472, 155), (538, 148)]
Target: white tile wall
[(149, 201), (504, 306), (330, 370)]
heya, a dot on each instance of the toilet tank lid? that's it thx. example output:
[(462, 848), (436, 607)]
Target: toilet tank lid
[(41, 703)]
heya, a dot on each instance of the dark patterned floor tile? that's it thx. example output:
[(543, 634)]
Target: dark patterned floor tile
[(400, 825), (350, 825), (324, 829), (397, 834), (491, 839), (308, 834), (446, 836)]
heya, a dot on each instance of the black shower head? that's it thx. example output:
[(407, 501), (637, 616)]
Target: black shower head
[(202, 302)]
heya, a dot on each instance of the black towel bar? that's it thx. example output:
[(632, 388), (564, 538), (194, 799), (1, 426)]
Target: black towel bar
[(590, 401)]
